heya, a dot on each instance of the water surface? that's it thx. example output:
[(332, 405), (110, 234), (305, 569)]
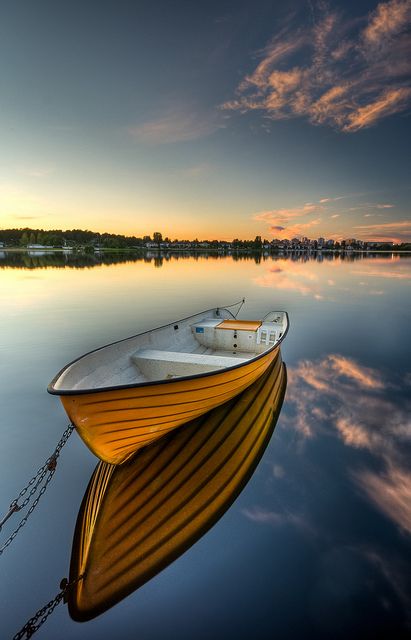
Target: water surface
[(318, 543)]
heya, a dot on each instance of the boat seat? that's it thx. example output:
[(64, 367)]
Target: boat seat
[(156, 364)]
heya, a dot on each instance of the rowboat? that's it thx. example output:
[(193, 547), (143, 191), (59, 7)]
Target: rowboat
[(125, 395), (136, 518)]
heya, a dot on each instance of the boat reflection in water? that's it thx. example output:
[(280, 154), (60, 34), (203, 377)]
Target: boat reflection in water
[(137, 518)]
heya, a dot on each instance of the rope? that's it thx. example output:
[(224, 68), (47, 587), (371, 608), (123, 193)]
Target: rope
[(38, 483), (228, 306), (40, 617), (240, 302)]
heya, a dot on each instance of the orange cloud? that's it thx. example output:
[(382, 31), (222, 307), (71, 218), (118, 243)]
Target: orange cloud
[(388, 19), (282, 221), (274, 52), (389, 102), (275, 216), (349, 86)]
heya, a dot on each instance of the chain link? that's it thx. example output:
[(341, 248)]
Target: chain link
[(36, 484), (40, 617)]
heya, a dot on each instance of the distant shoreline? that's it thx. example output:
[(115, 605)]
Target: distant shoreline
[(195, 250)]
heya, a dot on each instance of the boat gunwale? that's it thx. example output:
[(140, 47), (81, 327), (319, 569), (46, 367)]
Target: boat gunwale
[(74, 392)]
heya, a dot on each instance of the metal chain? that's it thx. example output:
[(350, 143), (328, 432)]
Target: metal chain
[(40, 617), (49, 467)]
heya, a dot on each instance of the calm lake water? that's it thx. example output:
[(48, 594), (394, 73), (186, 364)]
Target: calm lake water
[(318, 544)]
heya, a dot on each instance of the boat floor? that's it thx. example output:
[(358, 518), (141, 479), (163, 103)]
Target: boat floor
[(128, 373)]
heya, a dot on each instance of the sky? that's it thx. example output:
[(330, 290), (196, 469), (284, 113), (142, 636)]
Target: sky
[(220, 119)]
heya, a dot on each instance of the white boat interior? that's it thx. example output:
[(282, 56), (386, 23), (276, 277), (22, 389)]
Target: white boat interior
[(206, 342)]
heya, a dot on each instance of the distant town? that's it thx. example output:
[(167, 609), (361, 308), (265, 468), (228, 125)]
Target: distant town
[(89, 241)]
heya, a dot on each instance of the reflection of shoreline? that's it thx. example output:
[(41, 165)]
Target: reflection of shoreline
[(19, 259)]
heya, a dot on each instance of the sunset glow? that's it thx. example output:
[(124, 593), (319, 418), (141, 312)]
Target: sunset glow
[(210, 122)]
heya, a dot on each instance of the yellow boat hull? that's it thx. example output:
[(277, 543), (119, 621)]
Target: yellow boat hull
[(138, 517), (114, 424)]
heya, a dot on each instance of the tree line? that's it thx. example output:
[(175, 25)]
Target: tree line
[(90, 239), (79, 237), (69, 237)]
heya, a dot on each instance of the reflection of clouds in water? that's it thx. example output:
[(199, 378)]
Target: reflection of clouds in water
[(337, 588), (294, 277), (395, 268), (274, 518), (278, 518), (364, 376), (392, 568), (338, 391), (347, 579), (390, 491), (343, 500), (278, 471), (391, 275), (309, 277)]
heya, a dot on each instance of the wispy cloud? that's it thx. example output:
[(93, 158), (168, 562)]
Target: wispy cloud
[(196, 171), (38, 171), (402, 224), (352, 76), (389, 102), (396, 231), (176, 126), (16, 217), (324, 200), (286, 221), (386, 21), (299, 221), (286, 214)]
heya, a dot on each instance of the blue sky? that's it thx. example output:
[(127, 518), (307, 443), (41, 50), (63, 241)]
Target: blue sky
[(210, 119)]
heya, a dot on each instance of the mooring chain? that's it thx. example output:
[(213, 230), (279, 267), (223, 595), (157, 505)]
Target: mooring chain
[(40, 617), (35, 484)]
